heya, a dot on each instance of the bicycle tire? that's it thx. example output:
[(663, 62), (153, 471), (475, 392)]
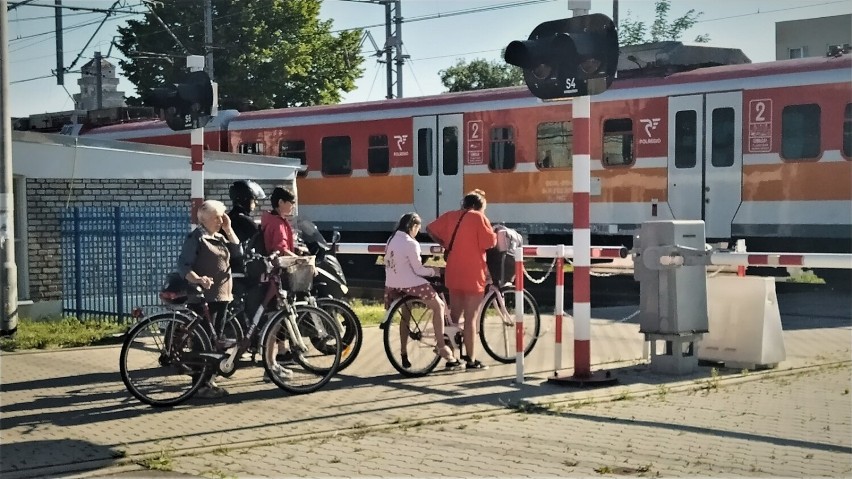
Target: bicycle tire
[(164, 326), (353, 334), (310, 321), (422, 353), (503, 347)]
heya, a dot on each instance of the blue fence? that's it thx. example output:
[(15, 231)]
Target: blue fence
[(115, 259)]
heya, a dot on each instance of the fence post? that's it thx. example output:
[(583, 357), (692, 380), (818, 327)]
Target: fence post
[(119, 266), (78, 265), (560, 306), (519, 315)]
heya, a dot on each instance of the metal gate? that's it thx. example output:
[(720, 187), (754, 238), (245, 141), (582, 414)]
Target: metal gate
[(114, 259)]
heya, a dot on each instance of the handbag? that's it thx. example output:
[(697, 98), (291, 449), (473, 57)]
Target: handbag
[(453, 238)]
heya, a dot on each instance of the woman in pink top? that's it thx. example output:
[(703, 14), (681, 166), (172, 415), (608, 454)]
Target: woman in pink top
[(405, 276), (275, 224)]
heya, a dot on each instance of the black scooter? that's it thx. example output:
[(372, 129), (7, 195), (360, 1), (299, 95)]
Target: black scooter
[(330, 281), (330, 290)]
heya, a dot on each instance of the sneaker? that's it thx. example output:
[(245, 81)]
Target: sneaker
[(405, 362), (285, 358), (453, 365), (475, 365), (279, 371), (211, 392)]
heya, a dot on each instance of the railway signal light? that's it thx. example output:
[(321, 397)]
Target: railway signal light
[(569, 57), (184, 105)]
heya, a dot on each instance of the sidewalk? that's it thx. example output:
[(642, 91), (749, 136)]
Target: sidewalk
[(67, 411)]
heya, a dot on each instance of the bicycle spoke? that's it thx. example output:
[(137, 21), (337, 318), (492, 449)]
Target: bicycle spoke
[(160, 362), (409, 338)]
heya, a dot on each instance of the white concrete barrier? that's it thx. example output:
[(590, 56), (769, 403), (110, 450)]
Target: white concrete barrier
[(744, 323)]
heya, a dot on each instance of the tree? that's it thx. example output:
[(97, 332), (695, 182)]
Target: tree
[(633, 32), (480, 74), (266, 53)]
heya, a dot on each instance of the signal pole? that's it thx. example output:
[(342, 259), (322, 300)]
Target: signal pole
[(9, 275), (196, 179)]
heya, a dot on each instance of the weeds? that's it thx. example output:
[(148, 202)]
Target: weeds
[(60, 333), (160, 462)]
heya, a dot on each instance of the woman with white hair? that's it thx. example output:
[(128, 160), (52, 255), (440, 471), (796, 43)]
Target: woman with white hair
[(205, 260)]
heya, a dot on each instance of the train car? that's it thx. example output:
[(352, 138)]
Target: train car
[(757, 151), (155, 132)]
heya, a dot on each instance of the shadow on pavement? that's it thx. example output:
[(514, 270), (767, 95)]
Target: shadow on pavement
[(31, 458)]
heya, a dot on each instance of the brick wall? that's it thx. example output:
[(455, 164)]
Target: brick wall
[(47, 198)]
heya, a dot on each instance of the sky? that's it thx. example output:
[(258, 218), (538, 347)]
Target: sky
[(436, 34)]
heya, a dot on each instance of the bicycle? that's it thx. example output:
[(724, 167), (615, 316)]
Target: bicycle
[(168, 356), (408, 326)]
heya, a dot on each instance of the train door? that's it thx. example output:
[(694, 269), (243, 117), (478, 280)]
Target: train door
[(705, 159), (437, 164)]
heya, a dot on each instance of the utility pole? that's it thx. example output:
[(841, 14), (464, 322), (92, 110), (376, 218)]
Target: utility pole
[(208, 38), (99, 80), (60, 61), (9, 274)]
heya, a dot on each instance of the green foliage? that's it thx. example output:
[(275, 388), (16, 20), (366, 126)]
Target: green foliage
[(480, 74), (634, 32), (369, 312), (59, 333), (266, 53)]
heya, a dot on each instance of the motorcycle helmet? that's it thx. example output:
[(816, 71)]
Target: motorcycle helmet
[(243, 191)]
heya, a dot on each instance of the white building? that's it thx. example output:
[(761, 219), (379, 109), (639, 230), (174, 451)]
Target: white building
[(812, 37), (89, 83)]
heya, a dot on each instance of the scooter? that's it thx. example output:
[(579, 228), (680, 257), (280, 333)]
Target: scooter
[(330, 281)]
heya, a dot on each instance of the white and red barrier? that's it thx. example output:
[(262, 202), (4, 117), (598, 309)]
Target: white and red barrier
[(531, 251), (519, 315), (782, 260)]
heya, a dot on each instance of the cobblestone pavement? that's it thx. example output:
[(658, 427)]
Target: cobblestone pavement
[(66, 412), (792, 425)]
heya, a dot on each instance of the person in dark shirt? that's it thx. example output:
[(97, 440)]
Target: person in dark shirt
[(244, 197)]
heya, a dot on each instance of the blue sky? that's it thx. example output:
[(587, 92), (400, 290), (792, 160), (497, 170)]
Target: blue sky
[(433, 44)]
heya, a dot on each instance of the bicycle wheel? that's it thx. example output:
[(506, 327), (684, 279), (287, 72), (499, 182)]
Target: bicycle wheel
[(160, 362), (351, 333), (310, 368), (408, 328), (497, 324)]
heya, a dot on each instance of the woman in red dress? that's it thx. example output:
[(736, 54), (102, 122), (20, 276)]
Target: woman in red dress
[(466, 234)]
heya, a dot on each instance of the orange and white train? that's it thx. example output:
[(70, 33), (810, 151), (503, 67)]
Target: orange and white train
[(758, 151)]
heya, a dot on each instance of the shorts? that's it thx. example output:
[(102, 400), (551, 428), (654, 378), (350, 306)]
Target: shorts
[(423, 291)]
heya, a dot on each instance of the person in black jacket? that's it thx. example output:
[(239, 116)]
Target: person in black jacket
[(244, 197)]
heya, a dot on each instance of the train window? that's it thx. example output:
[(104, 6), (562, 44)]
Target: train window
[(554, 144), (424, 152), (502, 149), (686, 138), (800, 131), (378, 155), (722, 153), (618, 142), (336, 155), (251, 148), (294, 149), (451, 150), (847, 131)]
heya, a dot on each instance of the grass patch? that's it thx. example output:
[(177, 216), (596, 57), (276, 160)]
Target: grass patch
[(370, 313), (160, 462), (52, 333), (804, 276)]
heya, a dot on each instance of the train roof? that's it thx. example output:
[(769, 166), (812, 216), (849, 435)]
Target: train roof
[(517, 95)]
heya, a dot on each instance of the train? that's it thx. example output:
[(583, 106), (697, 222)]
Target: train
[(761, 152)]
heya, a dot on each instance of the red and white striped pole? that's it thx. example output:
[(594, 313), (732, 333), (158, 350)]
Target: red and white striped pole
[(560, 305), (581, 108), (519, 315), (196, 178)]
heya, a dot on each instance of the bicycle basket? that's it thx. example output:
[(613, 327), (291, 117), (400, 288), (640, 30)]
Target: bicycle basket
[(297, 273)]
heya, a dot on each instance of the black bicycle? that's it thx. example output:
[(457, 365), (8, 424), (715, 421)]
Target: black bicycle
[(169, 355)]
